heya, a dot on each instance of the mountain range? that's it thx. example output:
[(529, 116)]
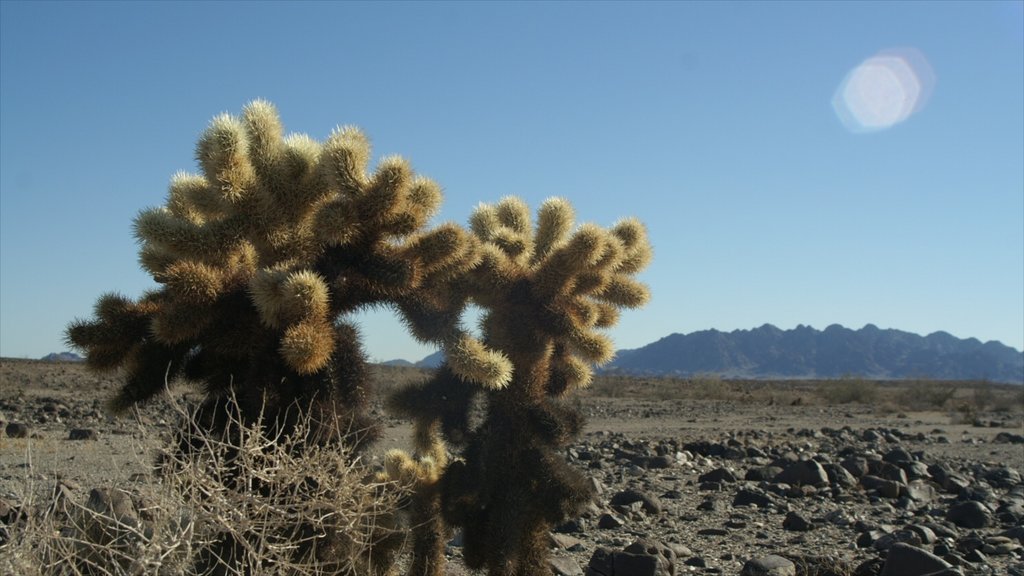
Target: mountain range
[(804, 352)]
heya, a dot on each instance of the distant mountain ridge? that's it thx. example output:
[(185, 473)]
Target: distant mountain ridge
[(62, 357), (804, 352)]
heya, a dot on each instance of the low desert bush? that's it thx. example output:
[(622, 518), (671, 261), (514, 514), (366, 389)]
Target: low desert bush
[(926, 394), (245, 503), (848, 390)]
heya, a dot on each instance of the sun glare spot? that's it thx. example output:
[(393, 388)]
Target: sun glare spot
[(884, 90)]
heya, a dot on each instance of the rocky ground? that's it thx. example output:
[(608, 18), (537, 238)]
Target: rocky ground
[(689, 483)]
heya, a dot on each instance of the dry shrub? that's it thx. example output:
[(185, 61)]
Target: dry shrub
[(848, 390), (244, 503)]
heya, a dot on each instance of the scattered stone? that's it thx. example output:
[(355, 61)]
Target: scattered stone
[(920, 491), (649, 503), (762, 473), (609, 521), (566, 542), (752, 497), (563, 566), (795, 522), (906, 560), (803, 472), (718, 475), (770, 565), (885, 488), (16, 430), (83, 434), (970, 514)]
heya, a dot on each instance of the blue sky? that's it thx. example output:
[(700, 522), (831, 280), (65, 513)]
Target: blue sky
[(714, 123)]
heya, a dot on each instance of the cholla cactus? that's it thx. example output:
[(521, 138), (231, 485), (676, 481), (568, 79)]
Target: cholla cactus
[(258, 259), (546, 292)]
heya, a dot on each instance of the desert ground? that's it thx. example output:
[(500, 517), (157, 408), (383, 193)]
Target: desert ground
[(710, 476)]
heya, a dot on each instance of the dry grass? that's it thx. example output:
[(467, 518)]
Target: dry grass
[(242, 503)]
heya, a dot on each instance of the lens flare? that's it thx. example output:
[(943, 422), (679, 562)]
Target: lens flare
[(884, 90)]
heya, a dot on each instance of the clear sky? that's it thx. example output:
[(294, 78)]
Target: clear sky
[(730, 129)]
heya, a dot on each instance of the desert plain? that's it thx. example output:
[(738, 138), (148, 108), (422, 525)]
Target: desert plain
[(693, 475)]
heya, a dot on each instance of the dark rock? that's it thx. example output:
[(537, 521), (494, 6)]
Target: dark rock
[(1011, 513), (717, 475), (627, 564), (751, 497), (762, 473), (871, 567), (1003, 477), (970, 514), (926, 534), (1008, 438), (641, 558), (856, 466), (839, 476), (897, 455), (601, 563), (976, 556), (906, 560), (771, 565), (16, 430), (868, 538), (885, 488), (890, 472), (803, 472), (665, 555), (650, 503), (574, 526), (83, 434), (794, 522), (609, 521), (915, 470), (952, 482)]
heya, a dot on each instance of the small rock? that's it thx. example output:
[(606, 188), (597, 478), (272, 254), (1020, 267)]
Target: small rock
[(83, 434), (762, 473), (920, 491), (650, 503), (969, 514), (906, 560), (16, 430), (566, 542), (803, 472), (748, 497), (601, 563), (718, 475), (796, 523), (885, 488), (609, 521), (562, 566), (770, 565)]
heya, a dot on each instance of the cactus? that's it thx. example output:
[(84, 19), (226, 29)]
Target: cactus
[(546, 292), (260, 257)]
